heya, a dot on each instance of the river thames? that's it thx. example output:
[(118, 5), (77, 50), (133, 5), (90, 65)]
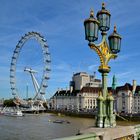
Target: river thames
[(41, 126)]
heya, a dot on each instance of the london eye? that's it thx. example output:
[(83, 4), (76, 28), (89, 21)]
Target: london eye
[(39, 89)]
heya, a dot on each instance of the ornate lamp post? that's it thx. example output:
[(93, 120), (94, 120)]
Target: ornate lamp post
[(105, 51)]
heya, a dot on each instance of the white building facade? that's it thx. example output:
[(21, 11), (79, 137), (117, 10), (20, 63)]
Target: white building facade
[(84, 90), (87, 98), (81, 96), (124, 99), (128, 98)]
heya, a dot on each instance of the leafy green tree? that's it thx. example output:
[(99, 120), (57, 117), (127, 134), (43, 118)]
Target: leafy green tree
[(9, 103)]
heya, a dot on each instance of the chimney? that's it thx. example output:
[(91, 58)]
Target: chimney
[(134, 86)]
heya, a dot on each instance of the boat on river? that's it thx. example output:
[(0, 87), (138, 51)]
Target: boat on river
[(61, 121), (14, 113), (10, 111)]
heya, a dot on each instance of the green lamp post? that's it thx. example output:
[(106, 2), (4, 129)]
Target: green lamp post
[(105, 51)]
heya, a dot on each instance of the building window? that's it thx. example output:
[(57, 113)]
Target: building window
[(94, 102)]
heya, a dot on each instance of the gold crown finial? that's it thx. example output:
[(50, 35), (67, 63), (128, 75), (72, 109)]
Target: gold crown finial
[(115, 29), (91, 13), (103, 5)]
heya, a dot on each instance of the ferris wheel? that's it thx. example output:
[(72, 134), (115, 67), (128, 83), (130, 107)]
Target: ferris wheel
[(46, 58)]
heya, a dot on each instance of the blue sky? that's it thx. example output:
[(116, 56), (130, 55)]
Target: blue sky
[(61, 23)]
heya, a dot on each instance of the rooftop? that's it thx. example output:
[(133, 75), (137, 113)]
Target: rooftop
[(80, 73)]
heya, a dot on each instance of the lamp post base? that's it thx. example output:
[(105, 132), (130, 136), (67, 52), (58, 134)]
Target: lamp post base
[(105, 122), (112, 119), (105, 118), (99, 122)]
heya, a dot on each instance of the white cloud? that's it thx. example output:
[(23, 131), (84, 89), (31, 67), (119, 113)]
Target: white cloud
[(92, 67), (124, 74)]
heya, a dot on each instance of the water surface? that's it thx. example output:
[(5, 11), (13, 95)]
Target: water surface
[(41, 127)]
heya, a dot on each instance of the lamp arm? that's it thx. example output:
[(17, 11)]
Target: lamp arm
[(97, 50), (103, 51), (98, 45), (112, 56)]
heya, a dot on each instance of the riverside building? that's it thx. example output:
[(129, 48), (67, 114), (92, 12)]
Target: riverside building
[(128, 98), (83, 92), (81, 96)]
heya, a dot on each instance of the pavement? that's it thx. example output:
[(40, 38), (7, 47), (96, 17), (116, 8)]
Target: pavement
[(116, 133)]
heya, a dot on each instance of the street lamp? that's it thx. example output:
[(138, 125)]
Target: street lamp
[(105, 51), (114, 42), (91, 28)]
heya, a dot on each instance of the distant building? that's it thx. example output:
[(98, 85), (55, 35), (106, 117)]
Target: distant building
[(81, 95), (82, 79), (84, 90), (87, 98), (128, 98), (124, 99), (136, 101)]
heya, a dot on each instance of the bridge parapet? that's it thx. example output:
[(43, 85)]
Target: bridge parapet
[(91, 136), (117, 133), (137, 132)]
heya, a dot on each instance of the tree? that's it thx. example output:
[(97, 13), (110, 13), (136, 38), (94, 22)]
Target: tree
[(9, 103)]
